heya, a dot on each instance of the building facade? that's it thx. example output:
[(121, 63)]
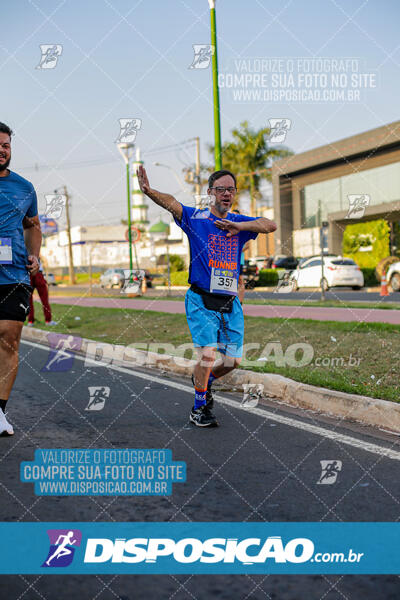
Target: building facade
[(106, 246), (327, 183)]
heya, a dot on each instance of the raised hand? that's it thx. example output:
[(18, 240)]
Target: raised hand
[(143, 180), (232, 227)]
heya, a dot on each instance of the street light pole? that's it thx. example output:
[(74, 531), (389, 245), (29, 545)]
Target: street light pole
[(322, 235), (197, 175), (168, 264), (175, 174), (126, 150), (214, 60)]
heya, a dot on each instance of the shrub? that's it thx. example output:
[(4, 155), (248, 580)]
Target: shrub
[(268, 277), (177, 263), (369, 276), (369, 234), (384, 264)]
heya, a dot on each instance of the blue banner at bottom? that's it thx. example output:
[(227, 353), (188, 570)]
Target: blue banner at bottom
[(214, 548)]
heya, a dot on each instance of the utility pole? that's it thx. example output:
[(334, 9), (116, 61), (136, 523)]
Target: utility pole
[(197, 176), (71, 260), (68, 228)]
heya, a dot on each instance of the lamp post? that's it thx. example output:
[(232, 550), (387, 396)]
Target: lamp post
[(323, 232), (214, 62), (175, 174), (126, 151)]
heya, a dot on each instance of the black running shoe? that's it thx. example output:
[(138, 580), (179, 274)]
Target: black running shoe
[(209, 396), (203, 417)]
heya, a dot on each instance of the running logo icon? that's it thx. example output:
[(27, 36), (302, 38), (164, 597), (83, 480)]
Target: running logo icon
[(50, 55), (132, 281), (98, 396), (202, 203), (202, 56), (252, 394), (128, 130), (286, 283), (278, 130), (54, 205), (61, 356), (357, 205), (63, 543), (330, 470)]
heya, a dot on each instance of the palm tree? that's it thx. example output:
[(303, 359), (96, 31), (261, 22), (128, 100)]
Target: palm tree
[(250, 157)]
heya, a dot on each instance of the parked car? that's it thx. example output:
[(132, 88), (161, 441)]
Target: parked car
[(116, 278), (288, 263), (338, 271), (393, 276), (50, 278), (112, 278), (269, 260)]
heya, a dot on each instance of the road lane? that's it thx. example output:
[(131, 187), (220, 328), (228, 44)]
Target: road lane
[(254, 467)]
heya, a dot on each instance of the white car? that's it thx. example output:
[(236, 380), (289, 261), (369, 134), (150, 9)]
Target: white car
[(393, 276), (338, 271), (49, 277)]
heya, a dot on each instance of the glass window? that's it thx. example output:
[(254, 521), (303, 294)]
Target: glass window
[(314, 263), (343, 261), (317, 200)]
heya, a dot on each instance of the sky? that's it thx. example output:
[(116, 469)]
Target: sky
[(131, 59)]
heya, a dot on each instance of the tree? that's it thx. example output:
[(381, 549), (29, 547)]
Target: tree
[(177, 263), (250, 158)]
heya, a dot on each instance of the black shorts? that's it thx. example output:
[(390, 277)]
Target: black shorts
[(14, 301)]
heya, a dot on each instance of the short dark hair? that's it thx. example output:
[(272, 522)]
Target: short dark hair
[(5, 129), (217, 174)]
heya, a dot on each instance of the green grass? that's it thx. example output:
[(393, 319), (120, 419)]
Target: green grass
[(374, 346), (328, 303)]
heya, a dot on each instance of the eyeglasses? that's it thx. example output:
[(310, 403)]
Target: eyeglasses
[(221, 190)]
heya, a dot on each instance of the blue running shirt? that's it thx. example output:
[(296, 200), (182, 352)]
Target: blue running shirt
[(214, 258), (17, 200)]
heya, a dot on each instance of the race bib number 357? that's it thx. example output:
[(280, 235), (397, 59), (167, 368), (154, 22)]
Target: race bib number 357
[(223, 281)]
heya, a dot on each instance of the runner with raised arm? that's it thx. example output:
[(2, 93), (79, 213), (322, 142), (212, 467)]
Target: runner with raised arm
[(213, 311)]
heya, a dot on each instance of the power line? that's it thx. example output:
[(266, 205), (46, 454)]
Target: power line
[(94, 162)]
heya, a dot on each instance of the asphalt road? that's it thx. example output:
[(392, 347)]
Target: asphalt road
[(255, 467)]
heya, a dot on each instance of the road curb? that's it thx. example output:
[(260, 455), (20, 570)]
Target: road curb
[(351, 407)]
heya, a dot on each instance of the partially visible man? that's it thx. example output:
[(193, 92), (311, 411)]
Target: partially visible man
[(20, 241)]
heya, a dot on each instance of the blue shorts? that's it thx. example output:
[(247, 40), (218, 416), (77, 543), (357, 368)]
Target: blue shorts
[(211, 329)]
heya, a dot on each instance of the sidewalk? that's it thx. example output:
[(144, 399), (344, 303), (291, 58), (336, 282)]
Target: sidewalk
[(366, 315)]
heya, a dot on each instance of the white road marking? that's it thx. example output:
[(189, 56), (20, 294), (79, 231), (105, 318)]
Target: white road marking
[(266, 414)]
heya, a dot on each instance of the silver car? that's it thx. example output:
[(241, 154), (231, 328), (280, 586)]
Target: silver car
[(112, 278)]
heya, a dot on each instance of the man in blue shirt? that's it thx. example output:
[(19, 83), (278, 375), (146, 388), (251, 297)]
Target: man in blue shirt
[(214, 313), (20, 240)]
